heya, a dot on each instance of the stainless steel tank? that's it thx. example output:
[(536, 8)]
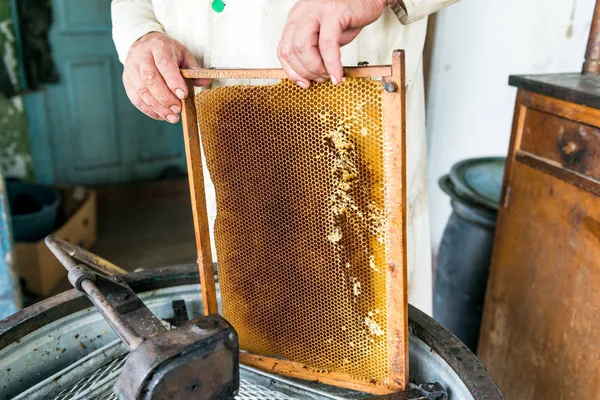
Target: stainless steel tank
[(62, 348)]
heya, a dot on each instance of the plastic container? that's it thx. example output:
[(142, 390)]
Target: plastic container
[(33, 210), (463, 261)]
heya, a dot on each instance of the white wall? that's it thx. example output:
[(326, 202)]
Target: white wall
[(478, 44)]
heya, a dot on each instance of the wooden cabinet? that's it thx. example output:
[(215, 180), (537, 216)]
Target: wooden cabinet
[(540, 336)]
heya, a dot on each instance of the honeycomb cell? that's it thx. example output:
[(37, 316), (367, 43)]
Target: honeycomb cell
[(300, 230)]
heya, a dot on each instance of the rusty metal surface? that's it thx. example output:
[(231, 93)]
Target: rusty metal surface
[(113, 298), (591, 66), (459, 358), (197, 360), (112, 315), (132, 311), (17, 325), (253, 385), (93, 260), (49, 352), (575, 88), (426, 391), (164, 364), (180, 313)]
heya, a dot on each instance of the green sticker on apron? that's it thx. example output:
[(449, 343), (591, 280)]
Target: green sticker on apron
[(218, 5)]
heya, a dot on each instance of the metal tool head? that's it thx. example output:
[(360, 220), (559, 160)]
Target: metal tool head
[(197, 360)]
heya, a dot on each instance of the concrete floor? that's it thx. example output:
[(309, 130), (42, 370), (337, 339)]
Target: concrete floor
[(145, 225)]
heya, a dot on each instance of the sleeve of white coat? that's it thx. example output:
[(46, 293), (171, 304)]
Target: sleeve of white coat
[(413, 10), (132, 19)]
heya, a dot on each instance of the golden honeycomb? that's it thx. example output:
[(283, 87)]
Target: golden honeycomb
[(300, 230)]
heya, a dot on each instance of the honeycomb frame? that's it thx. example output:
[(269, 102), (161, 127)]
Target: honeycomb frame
[(393, 131)]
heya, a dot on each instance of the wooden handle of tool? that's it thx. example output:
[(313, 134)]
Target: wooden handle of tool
[(591, 66)]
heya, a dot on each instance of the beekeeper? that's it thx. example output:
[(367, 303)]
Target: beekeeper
[(311, 40)]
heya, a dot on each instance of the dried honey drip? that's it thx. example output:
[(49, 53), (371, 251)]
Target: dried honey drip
[(335, 235), (373, 327), (346, 175), (355, 286), (299, 180)]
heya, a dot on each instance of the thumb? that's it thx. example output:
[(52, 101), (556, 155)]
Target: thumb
[(188, 61)]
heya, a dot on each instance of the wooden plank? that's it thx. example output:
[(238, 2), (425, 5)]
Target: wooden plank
[(278, 73), (563, 142), (557, 170), (573, 87), (562, 108), (300, 371), (515, 143), (542, 306), (196, 178), (394, 133)]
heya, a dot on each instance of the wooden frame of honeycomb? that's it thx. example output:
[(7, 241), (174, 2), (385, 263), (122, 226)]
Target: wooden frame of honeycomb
[(393, 338)]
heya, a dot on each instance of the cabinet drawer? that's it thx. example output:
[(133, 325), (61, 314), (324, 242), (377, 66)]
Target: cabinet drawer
[(573, 145)]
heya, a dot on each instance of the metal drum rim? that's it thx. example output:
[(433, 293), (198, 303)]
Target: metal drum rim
[(461, 360)]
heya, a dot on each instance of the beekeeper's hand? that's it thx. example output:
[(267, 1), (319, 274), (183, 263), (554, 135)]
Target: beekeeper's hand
[(314, 32), (152, 79)]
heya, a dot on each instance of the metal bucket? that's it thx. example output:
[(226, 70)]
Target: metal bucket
[(62, 348)]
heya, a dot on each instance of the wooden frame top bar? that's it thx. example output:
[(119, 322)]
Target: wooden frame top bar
[(379, 71)]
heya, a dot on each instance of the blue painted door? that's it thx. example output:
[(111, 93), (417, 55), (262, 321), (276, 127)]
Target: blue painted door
[(10, 294), (84, 130)]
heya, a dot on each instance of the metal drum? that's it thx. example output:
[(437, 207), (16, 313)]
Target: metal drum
[(463, 260), (62, 348)]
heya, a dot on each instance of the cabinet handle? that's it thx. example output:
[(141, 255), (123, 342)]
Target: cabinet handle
[(572, 145)]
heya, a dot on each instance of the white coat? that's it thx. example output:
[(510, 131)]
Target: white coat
[(246, 34)]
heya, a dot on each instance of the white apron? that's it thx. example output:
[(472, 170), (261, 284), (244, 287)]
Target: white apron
[(246, 35)]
